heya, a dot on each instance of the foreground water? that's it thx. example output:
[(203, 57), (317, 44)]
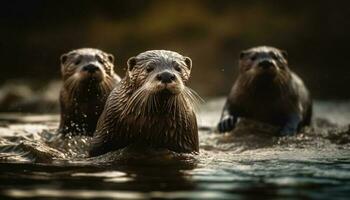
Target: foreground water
[(35, 163)]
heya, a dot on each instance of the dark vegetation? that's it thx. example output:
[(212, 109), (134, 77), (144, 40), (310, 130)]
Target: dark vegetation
[(315, 33)]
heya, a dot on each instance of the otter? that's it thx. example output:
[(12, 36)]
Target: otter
[(88, 78), (151, 107), (267, 90)]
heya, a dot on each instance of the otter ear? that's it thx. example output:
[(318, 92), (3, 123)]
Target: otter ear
[(63, 58), (110, 58), (284, 54), (131, 63), (188, 62)]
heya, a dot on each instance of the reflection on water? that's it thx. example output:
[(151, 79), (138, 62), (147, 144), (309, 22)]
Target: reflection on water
[(35, 162)]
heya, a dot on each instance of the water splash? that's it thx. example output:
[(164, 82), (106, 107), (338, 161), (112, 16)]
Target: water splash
[(312, 164)]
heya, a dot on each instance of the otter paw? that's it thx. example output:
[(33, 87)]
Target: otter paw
[(226, 124), (291, 126), (288, 131)]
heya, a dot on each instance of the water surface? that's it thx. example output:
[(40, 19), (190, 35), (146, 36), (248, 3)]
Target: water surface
[(36, 163)]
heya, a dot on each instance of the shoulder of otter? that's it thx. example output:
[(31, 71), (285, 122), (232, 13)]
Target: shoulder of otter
[(115, 131), (293, 97)]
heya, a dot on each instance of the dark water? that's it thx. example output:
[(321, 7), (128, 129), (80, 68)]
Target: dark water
[(35, 163)]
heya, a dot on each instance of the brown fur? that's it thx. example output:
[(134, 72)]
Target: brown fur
[(83, 94), (143, 111), (268, 95)]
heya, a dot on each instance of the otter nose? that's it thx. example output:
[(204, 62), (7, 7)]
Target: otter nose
[(265, 64), (166, 77), (90, 68)]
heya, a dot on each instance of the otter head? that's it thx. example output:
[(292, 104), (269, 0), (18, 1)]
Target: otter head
[(156, 83), (87, 64), (263, 62), (159, 72)]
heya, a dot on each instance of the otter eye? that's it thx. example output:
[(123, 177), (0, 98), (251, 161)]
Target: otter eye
[(253, 57), (149, 68), (274, 56), (99, 59), (177, 67), (77, 62)]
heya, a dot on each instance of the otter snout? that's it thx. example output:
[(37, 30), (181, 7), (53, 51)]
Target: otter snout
[(266, 64), (91, 68), (166, 77), (91, 71), (167, 81)]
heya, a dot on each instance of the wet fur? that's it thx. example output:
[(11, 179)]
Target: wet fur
[(82, 101), (270, 100), (135, 114)]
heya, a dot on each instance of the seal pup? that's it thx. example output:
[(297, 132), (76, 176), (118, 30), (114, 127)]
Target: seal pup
[(151, 107), (268, 91), (88, 78)]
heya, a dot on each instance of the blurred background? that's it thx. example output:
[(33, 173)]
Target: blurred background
[(212, 32)]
